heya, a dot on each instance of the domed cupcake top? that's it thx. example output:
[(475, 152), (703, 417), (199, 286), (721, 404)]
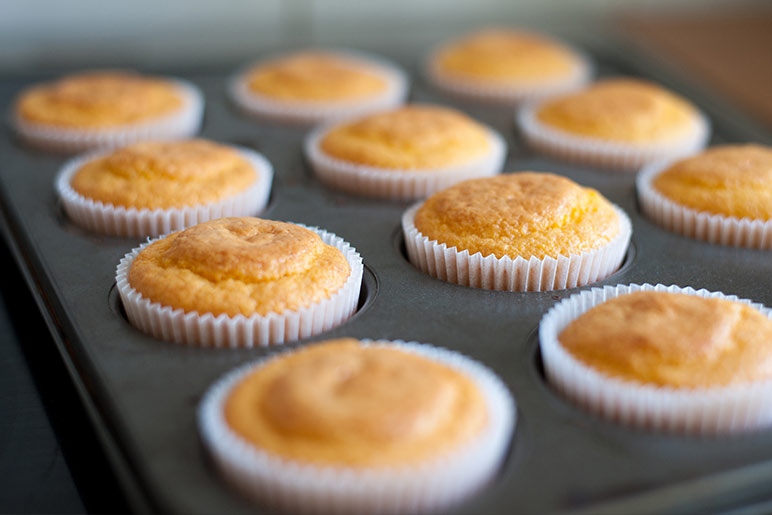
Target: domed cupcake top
[(344, 403), (729, 180), (100, 99), (412, 137), (315, 76), (164, 174), (622, 110), (521, 214), (505, 56), (673, 339), (239, 266)]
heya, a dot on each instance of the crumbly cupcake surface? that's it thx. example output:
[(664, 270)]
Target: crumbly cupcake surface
[(731, 180), (415, 137), (673, 340), (238, 266), (315, 77), (165, 175), (524, 215), (621, 110), (343, 403), (504, 57), (96, 100)]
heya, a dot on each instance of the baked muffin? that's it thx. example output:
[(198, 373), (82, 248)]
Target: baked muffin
[(404, 153), (240, 282), (507, 65), (525, 231), (663, 357), (318, 85), (349, 427), (621, 123), (722, 195), (156, 187), (106, 109)]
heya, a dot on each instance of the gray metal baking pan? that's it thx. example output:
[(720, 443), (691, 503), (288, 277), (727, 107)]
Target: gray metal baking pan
[(142, 393)]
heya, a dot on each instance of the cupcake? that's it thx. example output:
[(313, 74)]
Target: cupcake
[(620, 123), (240, 282), (106, 109), (405, 153), (318, 85), (359, 427), (507, 65), (524, 231), (152, 188), (663, 357), (723, 195)]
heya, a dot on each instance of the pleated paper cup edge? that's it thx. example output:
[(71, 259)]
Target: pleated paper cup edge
[(261, 106), (396, 184), (615, 252), (729, 230), (108, 219), (179, 125), (700, 412), (343, 302), (629, 157), (338, 489)]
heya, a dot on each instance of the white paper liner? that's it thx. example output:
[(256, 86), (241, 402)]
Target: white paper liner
[(606, 154), (208, 330), (706, 411), (714, 228), (519, 274), (307, 488), (104, 218), (524, 91), (397, 184), (255, 104), (179, 125)]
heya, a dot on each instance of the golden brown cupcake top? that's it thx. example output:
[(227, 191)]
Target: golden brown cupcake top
[(316, 77), (344, 403), (521, 214), (730, 180), (674, 340), (506, 56), (622, 110), (101, 99), (239, 266), (164, 175), (413, 137)]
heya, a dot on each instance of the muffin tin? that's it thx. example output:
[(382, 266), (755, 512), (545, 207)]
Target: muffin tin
[(143, 393)]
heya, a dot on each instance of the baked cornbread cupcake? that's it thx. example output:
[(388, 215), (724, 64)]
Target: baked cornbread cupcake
[(663, 357), (240, 282), (525, 231), (106, 109), (152, 188), (404, 153), (507, 65), (359, 427), (620, 123), (313, 86), (723, 195)]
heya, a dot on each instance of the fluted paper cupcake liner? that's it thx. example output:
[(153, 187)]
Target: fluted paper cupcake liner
[(525, 91), (306, 112), (706, 411), (397, 184), (606, 154), (713, 228), (208, 330), (519, 274), (179, 125), (132, 222), (308, 488)]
